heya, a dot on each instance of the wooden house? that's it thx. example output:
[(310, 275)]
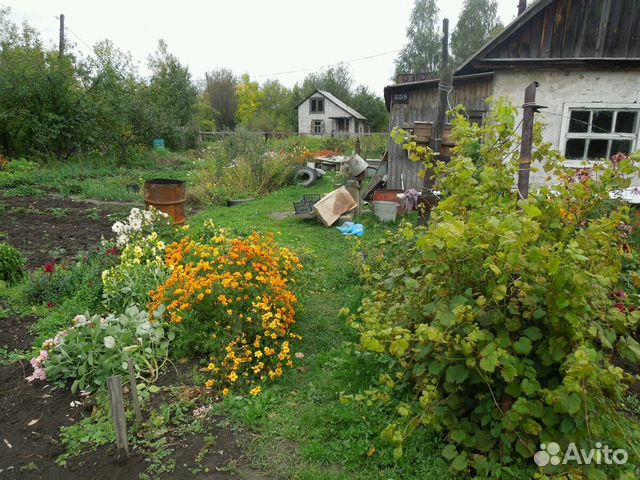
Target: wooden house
[(585, 54), (321, 113)]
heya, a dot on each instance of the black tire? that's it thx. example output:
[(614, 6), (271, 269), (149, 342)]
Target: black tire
[(305, 177)]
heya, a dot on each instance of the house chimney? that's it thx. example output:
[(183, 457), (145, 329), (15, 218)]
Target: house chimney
[(522, 7)]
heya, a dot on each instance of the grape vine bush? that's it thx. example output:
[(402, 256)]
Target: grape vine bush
[(498, 324)]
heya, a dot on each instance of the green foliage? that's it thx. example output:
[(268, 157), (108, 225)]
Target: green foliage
[(371, 106), (240, 166), (422, 53), (57, 107), (96, 348), (477, 24), (172, 98), (497, 324), (89, 433), (11, 264)]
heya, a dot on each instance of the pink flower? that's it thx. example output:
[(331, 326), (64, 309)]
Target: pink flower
[(38, 374), (621, 295)]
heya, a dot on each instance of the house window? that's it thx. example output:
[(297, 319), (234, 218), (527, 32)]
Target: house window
[(317, 105), (317, 127), (594, 134)]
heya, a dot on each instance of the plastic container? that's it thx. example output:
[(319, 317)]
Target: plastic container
[(386, 211), (158, 144)]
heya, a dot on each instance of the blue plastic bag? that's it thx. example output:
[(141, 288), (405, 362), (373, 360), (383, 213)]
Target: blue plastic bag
[(352, 229)]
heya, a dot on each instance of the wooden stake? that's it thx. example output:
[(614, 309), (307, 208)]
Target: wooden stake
[(428, 200), (134, 391), (116, 400), (527, 139)]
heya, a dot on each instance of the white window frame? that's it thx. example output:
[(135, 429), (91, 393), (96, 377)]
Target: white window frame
[(616, 107)]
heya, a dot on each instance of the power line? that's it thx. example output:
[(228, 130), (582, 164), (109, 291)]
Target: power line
[(80, 39), (289, 72)]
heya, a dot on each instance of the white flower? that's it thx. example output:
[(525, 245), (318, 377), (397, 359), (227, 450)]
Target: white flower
[(109, 342)]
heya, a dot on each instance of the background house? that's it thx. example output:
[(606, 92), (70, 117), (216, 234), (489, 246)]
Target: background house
[(586, 56), (323, 114)]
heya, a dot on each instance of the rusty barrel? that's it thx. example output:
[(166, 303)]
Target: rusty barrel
[(167, 196)]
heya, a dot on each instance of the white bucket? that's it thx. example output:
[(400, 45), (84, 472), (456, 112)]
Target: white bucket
[(386, 211), (356, 165)]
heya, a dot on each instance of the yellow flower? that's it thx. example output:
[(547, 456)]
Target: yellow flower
[(211, 366), (256, 391), (209, 383), (225, 392)]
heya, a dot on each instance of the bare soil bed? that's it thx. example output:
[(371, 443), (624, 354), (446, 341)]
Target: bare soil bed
[(31, 414), (40, 225)]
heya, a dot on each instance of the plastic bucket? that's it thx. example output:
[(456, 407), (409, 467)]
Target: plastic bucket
[(158, 143), (385, 211), (168, 196)]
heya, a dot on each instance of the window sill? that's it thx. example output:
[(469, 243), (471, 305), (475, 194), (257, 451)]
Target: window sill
[(582, 163)]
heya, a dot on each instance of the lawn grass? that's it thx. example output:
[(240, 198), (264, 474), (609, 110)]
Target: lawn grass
[(302, 429)]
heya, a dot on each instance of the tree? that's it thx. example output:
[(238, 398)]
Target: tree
[(117, 101), (335, 80), (220, 91), (249, 98), (172, 97), (371, 106), (477, 24), (422, 53), (274, 112)]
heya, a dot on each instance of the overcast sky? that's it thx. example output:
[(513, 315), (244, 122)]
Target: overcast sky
[(261, 37)]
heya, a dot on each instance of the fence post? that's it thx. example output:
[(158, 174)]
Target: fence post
[(530, 108), (116, 400), (134, 390)]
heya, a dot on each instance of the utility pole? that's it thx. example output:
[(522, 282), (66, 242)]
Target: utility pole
[(61, 42), (428, 199), (530, 109)]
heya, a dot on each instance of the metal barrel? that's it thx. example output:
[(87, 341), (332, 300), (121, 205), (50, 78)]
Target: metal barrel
[(167, 196)]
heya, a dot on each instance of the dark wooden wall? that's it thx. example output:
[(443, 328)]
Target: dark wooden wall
[(576, 29), (422, 105)]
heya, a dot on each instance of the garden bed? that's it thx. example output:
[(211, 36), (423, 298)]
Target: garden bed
[(40, 226), (44, 228)]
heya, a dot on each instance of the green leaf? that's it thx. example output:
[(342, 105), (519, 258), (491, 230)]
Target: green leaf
[(457, 374), (570, 403), (523, 346), (460, 462), (449, 452), (533, 333), (398, 452)]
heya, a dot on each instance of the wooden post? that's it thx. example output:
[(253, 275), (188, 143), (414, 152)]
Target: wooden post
[(428, 200), (61, 42), (527, 139), (134, 390), (358, 146), (116, 400)]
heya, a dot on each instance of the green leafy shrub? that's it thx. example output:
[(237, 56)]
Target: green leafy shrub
[(499, 323), (11, 264), (96, 348)]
